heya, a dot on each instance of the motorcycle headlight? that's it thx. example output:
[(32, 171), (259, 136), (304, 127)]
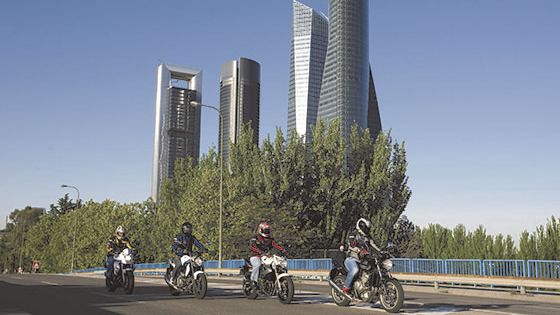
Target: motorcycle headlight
[(387, 264), (198, 261), (282, 262)]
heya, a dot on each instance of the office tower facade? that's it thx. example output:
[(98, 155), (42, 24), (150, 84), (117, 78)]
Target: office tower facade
[(347, 89), (308, 50), (177, 125), (239, 101)]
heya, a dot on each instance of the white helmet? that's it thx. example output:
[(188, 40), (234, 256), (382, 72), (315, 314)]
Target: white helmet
[(363, 226), (120, 231)]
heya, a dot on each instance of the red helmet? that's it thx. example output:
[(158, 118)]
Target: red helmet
[(264, 229)]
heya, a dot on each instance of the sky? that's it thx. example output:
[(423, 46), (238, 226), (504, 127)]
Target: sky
[(471, 87)]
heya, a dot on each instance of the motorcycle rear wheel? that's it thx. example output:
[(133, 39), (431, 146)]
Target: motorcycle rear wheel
[(338, 298), (248, 290)]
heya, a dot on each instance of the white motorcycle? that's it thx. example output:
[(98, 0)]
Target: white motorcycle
[(123, 272), (191, 278), (273, 279)]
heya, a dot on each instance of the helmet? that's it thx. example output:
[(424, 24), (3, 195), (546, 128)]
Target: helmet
[(186, 228), (264, 229), (120, 232), (363, 226)]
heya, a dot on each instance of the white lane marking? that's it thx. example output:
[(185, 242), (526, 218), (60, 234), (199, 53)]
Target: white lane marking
[(440, 310), (18, 278), (495, 312), (49, 283), (369, 307)]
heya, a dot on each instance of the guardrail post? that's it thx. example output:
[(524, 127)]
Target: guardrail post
[(523, 290), (536, 269)]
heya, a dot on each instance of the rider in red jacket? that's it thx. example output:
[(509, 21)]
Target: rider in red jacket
[(261, 245)]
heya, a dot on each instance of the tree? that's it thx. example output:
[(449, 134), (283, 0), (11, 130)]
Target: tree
[(407, 238), (435, 240)]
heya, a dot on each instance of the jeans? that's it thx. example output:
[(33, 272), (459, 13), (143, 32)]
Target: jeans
[(256, 263), (109, 261), (351, 265)]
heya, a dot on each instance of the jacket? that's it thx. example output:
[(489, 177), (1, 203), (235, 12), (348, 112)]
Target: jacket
[(184, 243), (261, 245)]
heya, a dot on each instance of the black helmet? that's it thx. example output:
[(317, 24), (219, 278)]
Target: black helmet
[(186, 228)]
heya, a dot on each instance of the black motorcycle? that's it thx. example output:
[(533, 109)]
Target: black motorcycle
[(273, 279), (373, 282), (191, 278)]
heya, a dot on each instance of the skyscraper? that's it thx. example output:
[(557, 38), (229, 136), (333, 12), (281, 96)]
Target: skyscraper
[(177, 130), (347, 90), (308, 50), (240, 84)]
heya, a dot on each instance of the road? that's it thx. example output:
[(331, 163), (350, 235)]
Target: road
[(63, 294)]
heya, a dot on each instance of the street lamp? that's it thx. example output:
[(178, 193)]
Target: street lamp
[(221, 137), (75, 222)]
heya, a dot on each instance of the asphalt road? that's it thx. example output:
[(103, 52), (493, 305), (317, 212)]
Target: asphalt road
[(61, 294)]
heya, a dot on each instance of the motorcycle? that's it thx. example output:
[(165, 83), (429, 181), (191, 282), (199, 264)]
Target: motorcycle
[(273, 279), (191, 278), (373, 282), (123, 272)]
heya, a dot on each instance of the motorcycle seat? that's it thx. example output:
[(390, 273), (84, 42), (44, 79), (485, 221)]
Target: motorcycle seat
[(339, 265)]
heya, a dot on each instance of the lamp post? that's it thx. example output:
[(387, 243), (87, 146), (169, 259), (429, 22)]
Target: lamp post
[(75, 223), (221, 137)]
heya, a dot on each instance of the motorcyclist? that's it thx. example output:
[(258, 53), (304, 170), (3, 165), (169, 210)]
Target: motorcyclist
[(117, 243), (356, 246), (259, 246), (182, 246)]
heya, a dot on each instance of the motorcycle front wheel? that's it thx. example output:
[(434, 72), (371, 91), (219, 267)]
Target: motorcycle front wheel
[(286, 292), (200, 286), (109, 284), (392, 296), (129, 282)]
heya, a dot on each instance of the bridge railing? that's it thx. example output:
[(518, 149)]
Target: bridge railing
[(547, 269)]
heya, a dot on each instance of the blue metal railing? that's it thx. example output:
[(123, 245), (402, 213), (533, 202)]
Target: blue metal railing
[(549, 269)]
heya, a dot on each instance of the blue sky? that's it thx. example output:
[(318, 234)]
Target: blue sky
[(472, 87)]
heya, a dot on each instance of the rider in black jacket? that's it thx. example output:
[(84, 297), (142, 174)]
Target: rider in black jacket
[(183, 245)]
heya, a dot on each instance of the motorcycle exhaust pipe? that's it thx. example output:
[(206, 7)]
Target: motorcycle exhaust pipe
[(339, 290)]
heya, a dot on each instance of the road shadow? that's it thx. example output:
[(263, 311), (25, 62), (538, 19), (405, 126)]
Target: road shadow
[(87, 299)]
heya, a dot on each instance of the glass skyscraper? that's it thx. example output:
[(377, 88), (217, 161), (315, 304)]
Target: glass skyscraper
[(347, 89), (240, 84), (177, 130), (308, 51)]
